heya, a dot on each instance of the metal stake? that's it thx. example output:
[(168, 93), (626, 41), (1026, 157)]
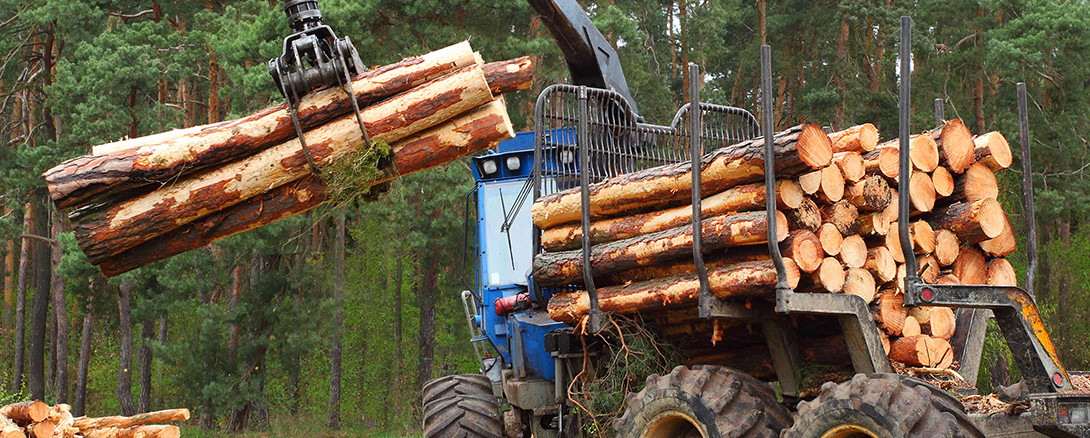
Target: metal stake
[(696, 150), (594, 320), (767, 129), (1027, 188), (940, 117), (905, 170)]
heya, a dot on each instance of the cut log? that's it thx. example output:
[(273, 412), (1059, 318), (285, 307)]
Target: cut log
[(788, 194), (883, 161), (927, 268), (947, 247), (912, 326), (992, 150), (942, 323), (830, 239), (686, 266), (746, 279), (566, 267), (41, 429), (8, 429), (1001, 273), (891, 312), (869, 195), (798, 149), (27, 412), (922, 314), (956, 143), (924, 153), (860, 282), (810, 182), (921, 192), (843, 215), (125, 165), (943, 182), (1003, 244), (922, 351), (746, 197), (122, 226), (832, 184), (873, 224), (976, 183), (149, 431), (466, 134), (881, 264), (829, 277), (804, 247), (510, 75), (947, 277), (885, 341), (891, 211), (853, 251), (851, 165), (85, 424), (972, 222), (921, 234), (806, 216), (970, 267), (859, 138)]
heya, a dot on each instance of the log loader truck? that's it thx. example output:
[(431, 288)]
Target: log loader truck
[(590, 130)]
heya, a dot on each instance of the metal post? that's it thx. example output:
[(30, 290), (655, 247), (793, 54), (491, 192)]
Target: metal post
[(594, 320), (940, 117), (1027, 188), (905, 168), (767, 129), (696, 151)]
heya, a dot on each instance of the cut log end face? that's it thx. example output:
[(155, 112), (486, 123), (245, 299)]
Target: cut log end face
[(830, 275), (860, 138), (814, 146), (943, 182), (789, 194), (922, 351), (1001, 273), (851, 165), (943, 323), (924, 153), (957, 146), (853, 251), (992, 150), (860, 282), (978, 182), (973, 222), (970, 267), (881, 264), (805, 248), (921, 192), (891, 312), (830, 239)]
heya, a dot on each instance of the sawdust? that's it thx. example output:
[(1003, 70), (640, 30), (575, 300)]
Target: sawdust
[(991, 404)]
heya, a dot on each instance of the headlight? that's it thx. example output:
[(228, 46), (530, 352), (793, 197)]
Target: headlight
[(567, 156), (513, 163), (489, 167)]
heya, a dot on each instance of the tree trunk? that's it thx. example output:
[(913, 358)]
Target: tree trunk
[(25, 254), (334, 417), (164, 416), (144, 402), (27, 412), (9, 281), (956, 143), (161, 338), (79, 406), (40, 306), (124, 369), (427, 296), (60, 315)]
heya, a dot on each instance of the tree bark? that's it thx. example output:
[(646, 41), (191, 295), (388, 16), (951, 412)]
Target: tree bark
[(148, 331), (149, 431), (9, 281), (60, 315), (972, 222), (859, 138), (922, 350), (992, 150), (843, 215), (25, 253), (869, 195), (956, 143), (79, 406), (40, 306), (334, 416), (806, 216), (165, 416), (124, 369), (398, 334)]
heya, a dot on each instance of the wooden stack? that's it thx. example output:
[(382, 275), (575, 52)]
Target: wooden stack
[(837, 229), (39, 420), (141, 200)]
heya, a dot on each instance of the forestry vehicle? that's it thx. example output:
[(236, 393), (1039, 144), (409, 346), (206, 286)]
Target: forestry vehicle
[(590, 130)]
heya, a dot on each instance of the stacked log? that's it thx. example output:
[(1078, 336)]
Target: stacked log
[(836, 227), (38, 420), (140, 200)]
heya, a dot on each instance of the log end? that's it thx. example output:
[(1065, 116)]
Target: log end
[(814, 147), (868, 137)]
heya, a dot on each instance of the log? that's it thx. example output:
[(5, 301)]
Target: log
[(927, 267), (851, 165), (924, 153), (947, 247), (1001, 273), (27, 412), (129, 164), (41, 429), (747, 279), (921, 191), (860, 282), (746, 197), (1003, 244), (686, 266), (869, 195), (970, 267), (8, 429), (956, 143), (832, 184), (843, 215), (922, 351), (891, 312), (829, 277), (921, 234), (148, 431), (881, 264), (893, 208), (942, 323), (105, 233), (797, 150), (883, 161), (566, 267), (992, 150), (810, 182), (806, 216), (947, 277), (976, 183), (830, 239), (912, 326), (804, 247), (943, 182), (922, 314), (463, 135), (873, 224), (510, 75), (972, 222), (885, 341), (853, 251), (788, 194), (859, 138), (85, 424)]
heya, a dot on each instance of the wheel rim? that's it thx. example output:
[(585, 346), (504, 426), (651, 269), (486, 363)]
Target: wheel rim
[(674, 425), (849, 431)]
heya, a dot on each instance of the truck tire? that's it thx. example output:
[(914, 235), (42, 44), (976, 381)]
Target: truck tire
[(457, 384), (881, 406), (703, 402), (463, 416)]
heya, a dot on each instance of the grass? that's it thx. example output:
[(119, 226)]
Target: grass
[(286, 426)]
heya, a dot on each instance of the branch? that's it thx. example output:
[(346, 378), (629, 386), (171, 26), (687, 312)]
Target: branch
[(127, 17), (40, 238)]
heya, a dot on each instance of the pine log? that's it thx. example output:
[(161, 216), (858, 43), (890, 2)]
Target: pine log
[(510, 75), (128, 164), (992, 150), (804, 247), (148, 431), (873, 224), (942, 323), (1001, 273), (921, 313), (830, 239), (810, 182), (970, 267), (566, 267), (851, 165), (972, 222), (8, 429), (956, 143), (912, 326), (747, 279), (924, 153), (883, 161), (829, 277), (746, 197), (797, 150), (27, 412), (891, 211), (927, 267), (921, 235), (61, 416), (1003, 244), (468, 133), (976, 183), (832, 184), (870, 194), (860, 282), (41, 429), (122, 226), (921, 192), (859, 138), (85, 424), (922, 351), (885, 341), (843, 215), (686, 266), (947, 247), (853, 251), (891, 312), (943, 182), (788, 194), (947, 277), (806, 216), (881, 264)]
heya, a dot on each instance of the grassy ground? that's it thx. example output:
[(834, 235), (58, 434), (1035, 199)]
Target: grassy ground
[(296, 427)]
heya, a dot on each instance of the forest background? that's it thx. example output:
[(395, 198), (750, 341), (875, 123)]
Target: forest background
[(247, 332)]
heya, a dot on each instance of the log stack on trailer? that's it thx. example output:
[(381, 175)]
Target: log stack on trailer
[(836, 227), (141, 200), (36, 419)]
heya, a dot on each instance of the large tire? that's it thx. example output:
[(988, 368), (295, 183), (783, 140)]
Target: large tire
[(457, 384), (882, 406), (703, 402), (463, 416)]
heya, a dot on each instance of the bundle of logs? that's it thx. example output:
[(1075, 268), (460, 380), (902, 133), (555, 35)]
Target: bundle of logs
[(141, 200), (38, 420), (836, 228)]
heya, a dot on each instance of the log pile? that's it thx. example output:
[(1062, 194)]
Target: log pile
[(836, 228), (140, 200), (35, 419)]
